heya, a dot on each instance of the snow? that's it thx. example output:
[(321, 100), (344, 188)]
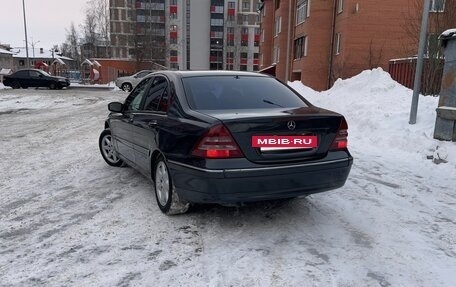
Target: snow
[(448, 33), (37, 53), (67, 218)]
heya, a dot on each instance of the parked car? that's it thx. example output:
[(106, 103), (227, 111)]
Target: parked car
[(225, 137), (129, 82), (34, 78)]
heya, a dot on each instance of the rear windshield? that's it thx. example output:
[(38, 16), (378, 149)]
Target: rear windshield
[(239, 92)]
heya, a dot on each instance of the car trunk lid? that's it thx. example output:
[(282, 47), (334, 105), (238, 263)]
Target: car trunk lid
[(306, 121)]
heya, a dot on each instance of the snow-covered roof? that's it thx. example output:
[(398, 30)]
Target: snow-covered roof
[(57, 60), (37, 53), (448, 34), (5, 71), (3, 51)]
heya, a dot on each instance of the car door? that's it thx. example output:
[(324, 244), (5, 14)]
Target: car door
[(34, 79), (122, 128), (149, 121)]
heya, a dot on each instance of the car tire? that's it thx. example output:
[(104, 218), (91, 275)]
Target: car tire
[(167, 198), (107, 150), (126, 87), (52, 86), (15, 85)]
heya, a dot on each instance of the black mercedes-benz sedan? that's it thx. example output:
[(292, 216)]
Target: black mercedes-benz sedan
[(35, 78), (225, 137)]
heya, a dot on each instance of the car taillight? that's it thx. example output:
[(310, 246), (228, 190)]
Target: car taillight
[(217, 143), (341, 142)]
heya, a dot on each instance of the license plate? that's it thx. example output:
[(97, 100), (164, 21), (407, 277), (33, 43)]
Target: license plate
[(284, 142)]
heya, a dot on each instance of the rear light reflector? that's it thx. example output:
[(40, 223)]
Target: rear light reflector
[(217, 143), (341, 140)]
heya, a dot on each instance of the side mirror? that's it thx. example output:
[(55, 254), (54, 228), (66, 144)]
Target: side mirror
[(115, 107)]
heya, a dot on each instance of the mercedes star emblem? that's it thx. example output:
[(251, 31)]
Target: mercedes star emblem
[(291, 125)]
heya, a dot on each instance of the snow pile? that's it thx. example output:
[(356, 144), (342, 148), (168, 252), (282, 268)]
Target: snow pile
[(377, 110), (2, 87)]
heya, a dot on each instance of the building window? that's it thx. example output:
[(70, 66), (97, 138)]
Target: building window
[(437, 6), (173, 2), (340, 6), (216, 22), (173, 53), (338, 43), (276, 54), (302, 11), (173, 40), (231, 5), (244, 43), (277, 4), (277, 26), (246, 5), (231, 18), (230, 30), (173, 15), (174, 66), (245, 18), (173, 28), (300, 47)]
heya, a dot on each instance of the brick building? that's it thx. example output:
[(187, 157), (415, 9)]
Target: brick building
[(187, 35), (318, 41)]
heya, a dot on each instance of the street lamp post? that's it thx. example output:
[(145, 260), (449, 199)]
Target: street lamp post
[(25, 29), (419, 62)]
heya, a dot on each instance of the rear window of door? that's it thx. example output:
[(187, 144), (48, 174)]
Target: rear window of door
[(21, 74), (157, 97), (239, 92)]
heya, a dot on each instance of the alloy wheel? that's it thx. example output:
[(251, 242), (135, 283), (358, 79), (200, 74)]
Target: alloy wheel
[(108, 150), (162, 183)]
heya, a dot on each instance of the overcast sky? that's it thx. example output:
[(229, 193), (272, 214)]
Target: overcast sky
[(46, 21)]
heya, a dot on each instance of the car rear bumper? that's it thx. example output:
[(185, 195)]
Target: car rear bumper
[(227, 186)]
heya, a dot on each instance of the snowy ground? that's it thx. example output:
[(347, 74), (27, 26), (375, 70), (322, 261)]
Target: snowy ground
[(68, 219)]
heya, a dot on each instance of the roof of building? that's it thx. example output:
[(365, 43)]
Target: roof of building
[(3, 51), (37, 53)]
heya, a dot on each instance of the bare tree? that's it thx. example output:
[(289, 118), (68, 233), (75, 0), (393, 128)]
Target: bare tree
[(440, 19), (89, 31), (71, 46)]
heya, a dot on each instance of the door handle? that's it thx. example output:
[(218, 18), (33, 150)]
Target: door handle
[(131, 118), (153, 124)]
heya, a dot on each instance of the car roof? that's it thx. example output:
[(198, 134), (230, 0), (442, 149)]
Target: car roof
[(29, 70), (186, 74)]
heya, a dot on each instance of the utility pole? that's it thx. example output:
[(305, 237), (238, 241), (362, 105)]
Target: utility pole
[(33, 47), (25, 29), (419, 62)]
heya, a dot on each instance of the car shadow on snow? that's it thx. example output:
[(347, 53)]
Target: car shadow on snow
[(268, 207)]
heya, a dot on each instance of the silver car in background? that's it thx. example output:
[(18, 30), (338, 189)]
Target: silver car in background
[(129, 82)]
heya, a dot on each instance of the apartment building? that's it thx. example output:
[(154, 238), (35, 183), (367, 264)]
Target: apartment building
[(318, 41), (187, 35)]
